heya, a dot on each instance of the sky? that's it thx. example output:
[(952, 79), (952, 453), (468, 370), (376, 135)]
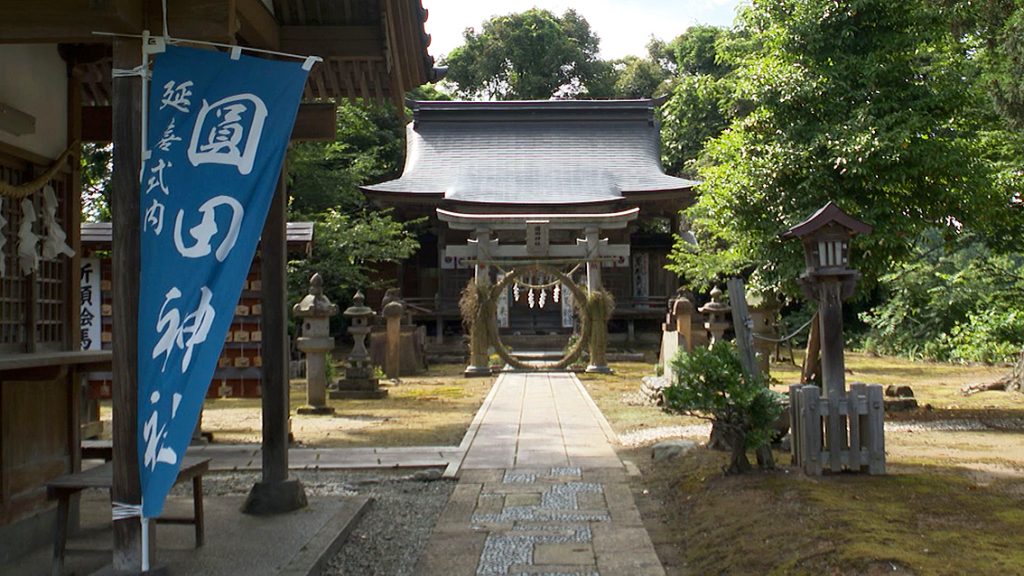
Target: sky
[(624, 26)]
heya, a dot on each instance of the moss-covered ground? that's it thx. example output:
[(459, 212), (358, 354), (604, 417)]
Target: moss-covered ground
[(951, 503)]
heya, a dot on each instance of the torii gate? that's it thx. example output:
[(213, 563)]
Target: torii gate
[(483, 250)]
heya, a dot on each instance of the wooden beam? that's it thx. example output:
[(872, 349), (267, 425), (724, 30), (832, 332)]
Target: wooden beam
[(561, 251), (212, 20), (315, 121), (257, 25), (96, 123), (339, 41), (31, 21)]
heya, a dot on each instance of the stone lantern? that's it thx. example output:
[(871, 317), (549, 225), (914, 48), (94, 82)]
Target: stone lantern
[(359, 381), (316, 311), (716, 311), (829, 279)]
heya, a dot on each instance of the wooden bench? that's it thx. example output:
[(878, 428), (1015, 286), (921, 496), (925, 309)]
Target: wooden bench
[(98, 450), (64, 487)]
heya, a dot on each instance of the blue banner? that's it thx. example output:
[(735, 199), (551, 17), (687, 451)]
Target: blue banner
[(218, 130)]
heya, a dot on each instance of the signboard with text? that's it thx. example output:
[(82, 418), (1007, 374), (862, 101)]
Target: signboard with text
[(218, 129)]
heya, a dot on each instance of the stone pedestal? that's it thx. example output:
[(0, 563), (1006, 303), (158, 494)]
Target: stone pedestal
[(359, 382), (316, 311)]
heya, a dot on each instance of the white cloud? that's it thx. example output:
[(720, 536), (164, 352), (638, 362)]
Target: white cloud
[(624, 26)]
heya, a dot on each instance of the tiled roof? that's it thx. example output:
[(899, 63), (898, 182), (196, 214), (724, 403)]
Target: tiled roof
[(551, 152)]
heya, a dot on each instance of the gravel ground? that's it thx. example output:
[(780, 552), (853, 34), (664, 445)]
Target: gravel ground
[(391, 535), (648, 436)]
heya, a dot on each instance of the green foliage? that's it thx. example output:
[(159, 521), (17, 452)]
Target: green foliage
[(696, 51), (710, 383), (350, 237), (637, 77), (858, 102), (696, 111), (346, 246), (369, 148), (97, 167), (1006, 72), (533, 55), (700, 104), (953, 300)]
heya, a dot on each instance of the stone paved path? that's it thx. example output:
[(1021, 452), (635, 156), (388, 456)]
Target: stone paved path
[(234, 457), (541, 491)]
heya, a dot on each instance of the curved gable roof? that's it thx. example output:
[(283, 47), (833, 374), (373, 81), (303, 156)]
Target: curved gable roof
[(544, 152)]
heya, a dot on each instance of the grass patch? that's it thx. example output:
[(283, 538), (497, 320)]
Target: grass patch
[(613, 395), (431, 409)]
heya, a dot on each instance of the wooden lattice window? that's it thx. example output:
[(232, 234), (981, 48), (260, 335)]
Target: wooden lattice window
[(13, 287), (34, 308)]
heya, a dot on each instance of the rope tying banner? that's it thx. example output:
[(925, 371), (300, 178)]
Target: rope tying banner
[(122, 511)]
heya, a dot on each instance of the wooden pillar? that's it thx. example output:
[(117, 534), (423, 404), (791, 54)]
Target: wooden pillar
[(124, 208), (830, 315), (479, 364), (599, 330), (275, 493), (593, 241), (438, 298)]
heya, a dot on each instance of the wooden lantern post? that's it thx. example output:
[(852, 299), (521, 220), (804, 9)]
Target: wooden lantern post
[(829, 279)]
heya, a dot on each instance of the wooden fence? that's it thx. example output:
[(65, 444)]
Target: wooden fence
[(845, 433)]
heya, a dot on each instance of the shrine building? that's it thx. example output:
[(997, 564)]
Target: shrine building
[(577, 185)]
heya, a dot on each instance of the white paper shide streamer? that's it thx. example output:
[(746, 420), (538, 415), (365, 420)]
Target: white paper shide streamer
[(28, 241), (56, 239)]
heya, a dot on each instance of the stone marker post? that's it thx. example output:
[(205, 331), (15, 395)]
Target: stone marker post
[(682, 310), (392, 313), (316, 311)]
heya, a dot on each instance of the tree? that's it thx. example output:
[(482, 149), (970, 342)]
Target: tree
[(533, 55), (711, 384), (637, 77), (369, 147), (350, 236), (858, 102), (953, 300), (700, 104)]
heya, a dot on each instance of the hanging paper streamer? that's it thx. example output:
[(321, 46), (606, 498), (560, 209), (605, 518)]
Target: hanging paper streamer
[(218, 128), (543, 297), (556, 293), (529, 298), (56, 240), (515, 291), (28, 241)]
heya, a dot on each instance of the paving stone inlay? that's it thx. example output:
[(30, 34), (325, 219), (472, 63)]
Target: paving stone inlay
[(531, 525), (525, 512)]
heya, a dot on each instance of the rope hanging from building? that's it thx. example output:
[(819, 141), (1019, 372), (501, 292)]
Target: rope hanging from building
[(19, 191)]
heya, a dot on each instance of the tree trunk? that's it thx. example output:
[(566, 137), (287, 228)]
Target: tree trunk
[(765, 459), (737, 441)]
